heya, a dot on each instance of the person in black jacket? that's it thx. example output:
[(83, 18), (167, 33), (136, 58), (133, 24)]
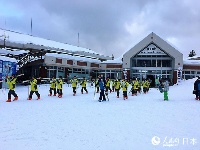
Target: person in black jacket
[(197, 88)]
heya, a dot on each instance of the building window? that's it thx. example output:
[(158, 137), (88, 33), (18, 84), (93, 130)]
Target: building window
[(153, 63), (158, 63)]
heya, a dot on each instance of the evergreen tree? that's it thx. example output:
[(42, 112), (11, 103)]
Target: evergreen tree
[(192, 53)]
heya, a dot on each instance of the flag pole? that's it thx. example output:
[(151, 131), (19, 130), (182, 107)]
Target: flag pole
[(31, 26), (78, 39)]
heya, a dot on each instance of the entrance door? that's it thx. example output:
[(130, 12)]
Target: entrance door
[(152, 78)]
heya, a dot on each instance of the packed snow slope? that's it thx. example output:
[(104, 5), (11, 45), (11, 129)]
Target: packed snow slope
[(80, 122)]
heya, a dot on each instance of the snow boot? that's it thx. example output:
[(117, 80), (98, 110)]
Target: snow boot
[(16, 98), (29, 99), (54, 95), (9, 100), (49, 94), (38, 98)]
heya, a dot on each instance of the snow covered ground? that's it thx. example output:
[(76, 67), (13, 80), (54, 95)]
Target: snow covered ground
[(81, 122)]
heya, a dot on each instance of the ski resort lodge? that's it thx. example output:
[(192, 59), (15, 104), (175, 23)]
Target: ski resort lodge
[(151, 58)]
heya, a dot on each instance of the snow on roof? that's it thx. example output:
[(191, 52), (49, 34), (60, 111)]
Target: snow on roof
[(73, 57), (195, 60), (15, 52), (25, 38), (115, 61), (8, 59)]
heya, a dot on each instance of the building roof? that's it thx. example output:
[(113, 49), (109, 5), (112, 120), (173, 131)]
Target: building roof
[(195, 60), (73, 58), (4, 58), (26, 42), (152, 38), (114, 61)]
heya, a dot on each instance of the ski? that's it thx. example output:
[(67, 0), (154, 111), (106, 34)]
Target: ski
[(94, 93), (106, 93)]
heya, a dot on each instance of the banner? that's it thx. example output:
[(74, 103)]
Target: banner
[(14, 66), (7, 69)]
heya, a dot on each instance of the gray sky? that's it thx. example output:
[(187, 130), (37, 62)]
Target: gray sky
[(106, 26)]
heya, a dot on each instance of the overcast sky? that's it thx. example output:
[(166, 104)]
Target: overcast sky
[(106, 26)]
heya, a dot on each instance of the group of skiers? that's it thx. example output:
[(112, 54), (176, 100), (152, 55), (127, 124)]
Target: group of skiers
[(101, 84), (11, 81), (56, 86), (105, 84), (59, 85)]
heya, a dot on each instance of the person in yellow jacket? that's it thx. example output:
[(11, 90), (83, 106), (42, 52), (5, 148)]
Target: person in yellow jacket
[(59, 84), (134, 88), (97, 85), (124, 86), (117, 86), (145, 86), (148, 85), (113, 84), (74, 83), (11, 81), (108, 85), (52, 87), (34, 89), (83, 84)]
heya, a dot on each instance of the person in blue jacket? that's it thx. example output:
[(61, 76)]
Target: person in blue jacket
[(197, 88), (102, 85)]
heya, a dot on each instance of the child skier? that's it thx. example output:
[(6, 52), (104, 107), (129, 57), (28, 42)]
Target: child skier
[(117, 87), (113, 84), (11, 81), (34, 89), (102, 84), (52, 87), (59, 84), (134, 88), (97, 85), (145, 86), (83, 84), (74, 83), (108, 85), (124, 86), (165, 90)]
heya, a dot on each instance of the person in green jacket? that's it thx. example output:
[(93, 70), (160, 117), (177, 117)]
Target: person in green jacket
[(52, 87), (34, 89), (165, 90), (11, 81), (74, 83), (83, 84), (59, 84)]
